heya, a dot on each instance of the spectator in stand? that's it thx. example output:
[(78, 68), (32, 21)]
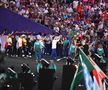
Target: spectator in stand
[(100, 50), (75, 4)]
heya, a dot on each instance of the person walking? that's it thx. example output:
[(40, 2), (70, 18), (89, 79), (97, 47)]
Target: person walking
[(37, 49)]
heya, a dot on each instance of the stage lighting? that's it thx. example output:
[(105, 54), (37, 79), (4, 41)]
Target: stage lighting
[(8, 85), (25, 68), (11, 73), (44, 63)]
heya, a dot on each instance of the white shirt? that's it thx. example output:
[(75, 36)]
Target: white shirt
[(19, 42), (54, 43), (75, 4), (45, 11), (56, 29), (100, 26), (77, 27), (69, 9), (22, 12)]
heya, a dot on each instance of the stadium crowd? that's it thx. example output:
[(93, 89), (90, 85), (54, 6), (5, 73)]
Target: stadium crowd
[(76, 23), (60, 15)]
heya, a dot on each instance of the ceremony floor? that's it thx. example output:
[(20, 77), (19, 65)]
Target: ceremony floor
[(17, 61)]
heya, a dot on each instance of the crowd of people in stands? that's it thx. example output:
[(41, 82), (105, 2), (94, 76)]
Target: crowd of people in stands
[(62, 16), (76, 22)]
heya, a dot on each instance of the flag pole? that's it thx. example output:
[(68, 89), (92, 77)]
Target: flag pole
[(73, 81)]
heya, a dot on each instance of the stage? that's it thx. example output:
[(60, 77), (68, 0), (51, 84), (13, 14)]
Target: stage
[(17, 61)]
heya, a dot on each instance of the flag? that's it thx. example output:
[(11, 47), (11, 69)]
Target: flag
[(99, 71), (87, 76), (91, 65), (79, 74), (95, 84), (78, 78), (97, 79)]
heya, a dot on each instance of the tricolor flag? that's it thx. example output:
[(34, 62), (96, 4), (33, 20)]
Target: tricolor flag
[(99, 71), (95, 84), (91, 65), (97, 80), (87, 76)]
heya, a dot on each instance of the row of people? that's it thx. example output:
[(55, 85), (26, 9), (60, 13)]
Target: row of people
[(55, 45)]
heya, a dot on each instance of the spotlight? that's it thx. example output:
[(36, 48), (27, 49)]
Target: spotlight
[(8, 85), (33, 74), (11, 73), (44, 63), (25, 68)]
